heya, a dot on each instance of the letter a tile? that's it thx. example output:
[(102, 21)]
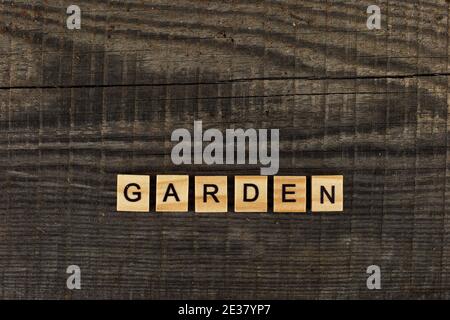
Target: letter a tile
[(172, 193)]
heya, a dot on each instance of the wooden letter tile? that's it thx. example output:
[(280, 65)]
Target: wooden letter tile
[(172, 193), (289, 194), (211, 194), (327, 193), (133, 193), (250, 194)]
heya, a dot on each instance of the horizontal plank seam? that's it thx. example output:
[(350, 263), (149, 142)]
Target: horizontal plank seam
[(407, 76)]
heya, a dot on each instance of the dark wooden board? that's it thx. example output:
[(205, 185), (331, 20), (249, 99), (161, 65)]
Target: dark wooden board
[(78, 107)]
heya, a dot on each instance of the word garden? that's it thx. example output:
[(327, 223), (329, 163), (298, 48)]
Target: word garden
[(211, 193)]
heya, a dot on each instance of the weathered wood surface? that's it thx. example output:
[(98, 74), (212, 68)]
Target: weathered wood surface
[(79, 107)]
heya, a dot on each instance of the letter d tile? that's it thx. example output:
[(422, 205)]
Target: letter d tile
[(133, 193), (250, 194)]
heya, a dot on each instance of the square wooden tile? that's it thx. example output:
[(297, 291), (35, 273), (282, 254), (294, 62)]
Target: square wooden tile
[(327, 193), (289, 194), (211, 194), (133, 193), (172, 193), (250, 194)]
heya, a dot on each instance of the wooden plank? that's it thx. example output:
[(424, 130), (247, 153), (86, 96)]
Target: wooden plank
[(78, 107)]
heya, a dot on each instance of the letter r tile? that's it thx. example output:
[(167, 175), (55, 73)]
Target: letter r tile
[(133, 193), (211, 194)]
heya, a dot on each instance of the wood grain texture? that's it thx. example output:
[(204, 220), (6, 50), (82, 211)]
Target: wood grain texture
[(79, 107)]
